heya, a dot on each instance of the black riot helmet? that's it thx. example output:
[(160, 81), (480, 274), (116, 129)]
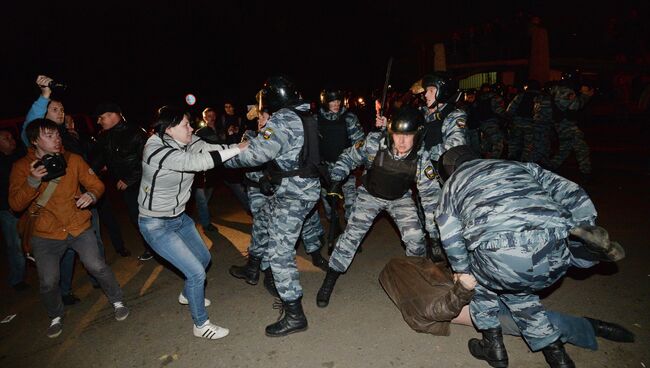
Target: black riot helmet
[(444, 83), (328, 95), (407, 120), (452, 159), (278, 92)]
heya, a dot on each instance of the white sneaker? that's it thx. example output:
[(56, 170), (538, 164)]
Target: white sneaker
[(210, 331), (183, 300), (56, 326)]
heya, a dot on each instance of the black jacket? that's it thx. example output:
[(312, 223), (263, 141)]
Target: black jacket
[(120, 150)]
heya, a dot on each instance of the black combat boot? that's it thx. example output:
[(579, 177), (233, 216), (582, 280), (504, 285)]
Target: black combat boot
[(269, 283), (610, 331), (325, 291), (556, 356), (318, 260), (250, 272), (292, 319), (490, 348)]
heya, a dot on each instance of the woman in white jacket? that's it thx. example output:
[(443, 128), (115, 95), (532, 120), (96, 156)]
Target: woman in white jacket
[(169, 161)]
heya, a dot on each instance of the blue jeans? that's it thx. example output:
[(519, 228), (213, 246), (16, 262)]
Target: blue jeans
[(574, 330), (202, 197), (8, 223), (177, 241)]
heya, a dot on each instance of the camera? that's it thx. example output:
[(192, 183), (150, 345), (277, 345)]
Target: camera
[(54, 164), (54, 85)]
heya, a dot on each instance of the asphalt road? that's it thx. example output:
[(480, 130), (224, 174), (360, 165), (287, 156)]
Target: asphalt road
[(360, 328)]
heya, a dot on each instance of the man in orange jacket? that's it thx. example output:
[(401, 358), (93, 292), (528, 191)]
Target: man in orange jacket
[(64, 221)]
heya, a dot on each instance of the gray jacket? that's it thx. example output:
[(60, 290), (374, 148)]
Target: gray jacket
[(168, 169)]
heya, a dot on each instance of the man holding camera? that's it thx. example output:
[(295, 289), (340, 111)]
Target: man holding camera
[(63, 221)]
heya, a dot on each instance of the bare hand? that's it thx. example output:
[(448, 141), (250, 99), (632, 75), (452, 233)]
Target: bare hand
[(84, 200), (243, 146), (381, 121), (466, 280), (43, 82), (37, 172), (121, 185)]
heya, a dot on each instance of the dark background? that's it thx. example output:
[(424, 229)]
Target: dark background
[(144, 54)]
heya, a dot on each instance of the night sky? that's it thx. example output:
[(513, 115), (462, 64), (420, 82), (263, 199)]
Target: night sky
[(143, 54)]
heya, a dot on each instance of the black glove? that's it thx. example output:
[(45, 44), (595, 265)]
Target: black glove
[(266, 187), (336, 189)]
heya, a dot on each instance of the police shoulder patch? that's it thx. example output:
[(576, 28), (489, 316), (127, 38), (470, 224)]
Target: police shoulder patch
[(460, 123), (268, 132), (429, 172), (359, 144)]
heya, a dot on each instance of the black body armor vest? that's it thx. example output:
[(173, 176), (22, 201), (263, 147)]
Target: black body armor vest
[(333, 137), (389, 178)]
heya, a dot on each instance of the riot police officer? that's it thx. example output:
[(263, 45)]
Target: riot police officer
[(393, 161), (288, 133)]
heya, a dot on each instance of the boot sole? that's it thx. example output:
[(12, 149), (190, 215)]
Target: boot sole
[(286, 333), (492, 363), (322, 304)]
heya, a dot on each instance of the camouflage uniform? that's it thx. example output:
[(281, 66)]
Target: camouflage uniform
[(453, 134), (521, 109), (366, 207), (538, 151), (507, 223), (260, 208), (355, 134), (571, 138), (491, 135), (282, 140), (313, 228)]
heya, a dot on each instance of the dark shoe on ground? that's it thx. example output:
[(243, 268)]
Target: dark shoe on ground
[(490, 348), (56, 327), (21, 286), (325, 291), (250, 272), (70, 299), (145, 256), (269, 283), (318, 260), (292, 319), (556, 356), (121, 311), (611, 331), (124, 252)]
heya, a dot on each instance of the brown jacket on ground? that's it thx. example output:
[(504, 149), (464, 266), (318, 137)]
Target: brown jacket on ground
[(424, 292), (60, 216)]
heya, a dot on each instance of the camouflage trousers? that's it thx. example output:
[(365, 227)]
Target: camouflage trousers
[(520, 137), (286, 217), (491, 139), (571, 139), (512, 275), (364, 211), (260, 205), (539, 149)]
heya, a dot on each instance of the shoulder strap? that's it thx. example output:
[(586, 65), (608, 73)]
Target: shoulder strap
[(44, 197)]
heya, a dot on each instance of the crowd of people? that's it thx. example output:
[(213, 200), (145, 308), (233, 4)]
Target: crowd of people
[(496, 230)]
